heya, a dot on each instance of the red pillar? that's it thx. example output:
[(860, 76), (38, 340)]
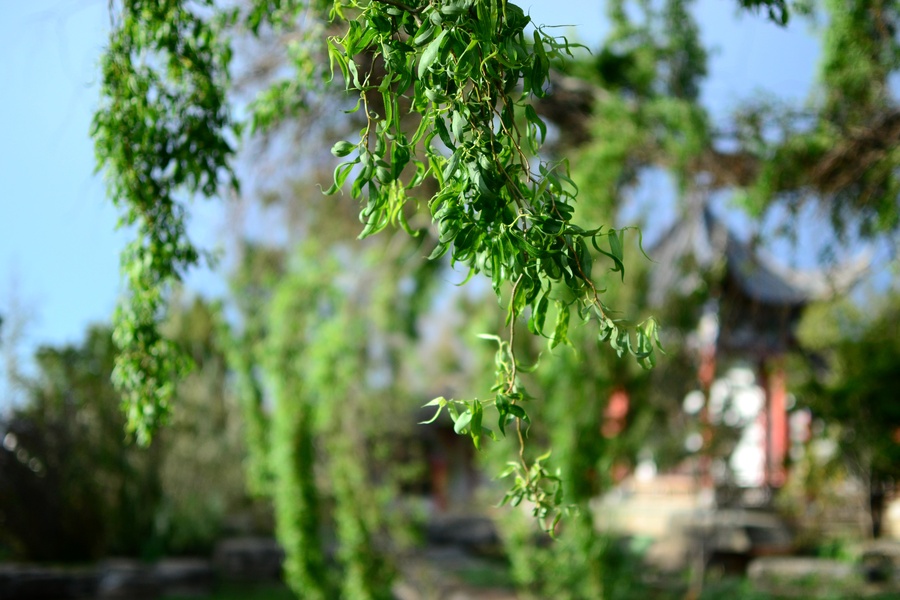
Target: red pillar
[(706, 374), (777, 437)]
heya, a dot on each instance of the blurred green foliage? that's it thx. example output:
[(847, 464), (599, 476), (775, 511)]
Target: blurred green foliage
[(74, 488), (859, 349), (71, 487)]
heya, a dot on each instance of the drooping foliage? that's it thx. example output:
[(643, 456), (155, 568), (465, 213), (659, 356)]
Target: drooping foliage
[(252, 286), (296, 497), (164, 133), (470, 72)]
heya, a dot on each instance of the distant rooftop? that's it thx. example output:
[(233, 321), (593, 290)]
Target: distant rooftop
[(760, 300), (701, 239)]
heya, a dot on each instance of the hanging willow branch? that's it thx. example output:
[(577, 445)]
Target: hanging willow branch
[(470, 73)]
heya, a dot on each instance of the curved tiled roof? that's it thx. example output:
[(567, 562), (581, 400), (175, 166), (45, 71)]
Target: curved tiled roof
[(700, 237)]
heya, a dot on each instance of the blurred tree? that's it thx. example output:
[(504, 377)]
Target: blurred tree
[(841, 151), (72, 487), (862, 353), (199, 451), (838, 151), (325, 351)]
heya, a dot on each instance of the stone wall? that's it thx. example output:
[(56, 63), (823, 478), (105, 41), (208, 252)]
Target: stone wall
[(236, 559)]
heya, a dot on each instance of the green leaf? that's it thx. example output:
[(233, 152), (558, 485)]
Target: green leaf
[(585, 260), (342, 148), (452, 165), (455, 8), (475, 425), (424, 34), (463, 421), (502, 404), (441, 128), (431, 53), (617, 252), (457, 123), (519, 412), (533, 118), (437, 412), (538, 315), (439, 250), (561, 332)]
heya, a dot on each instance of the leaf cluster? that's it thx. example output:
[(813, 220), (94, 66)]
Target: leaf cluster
[(162, 130), (468, 71)]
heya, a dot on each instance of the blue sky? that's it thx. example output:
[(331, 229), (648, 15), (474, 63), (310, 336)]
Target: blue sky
[(58, 243)]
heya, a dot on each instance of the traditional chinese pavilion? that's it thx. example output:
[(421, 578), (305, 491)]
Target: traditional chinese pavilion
[(756, 305)]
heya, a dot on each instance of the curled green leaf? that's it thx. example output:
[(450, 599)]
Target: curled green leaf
[(342, 148)]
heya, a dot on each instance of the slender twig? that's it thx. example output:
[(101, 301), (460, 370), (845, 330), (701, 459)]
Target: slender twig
[(521, 444), (512, 335), (514, 368), (515, 139)]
